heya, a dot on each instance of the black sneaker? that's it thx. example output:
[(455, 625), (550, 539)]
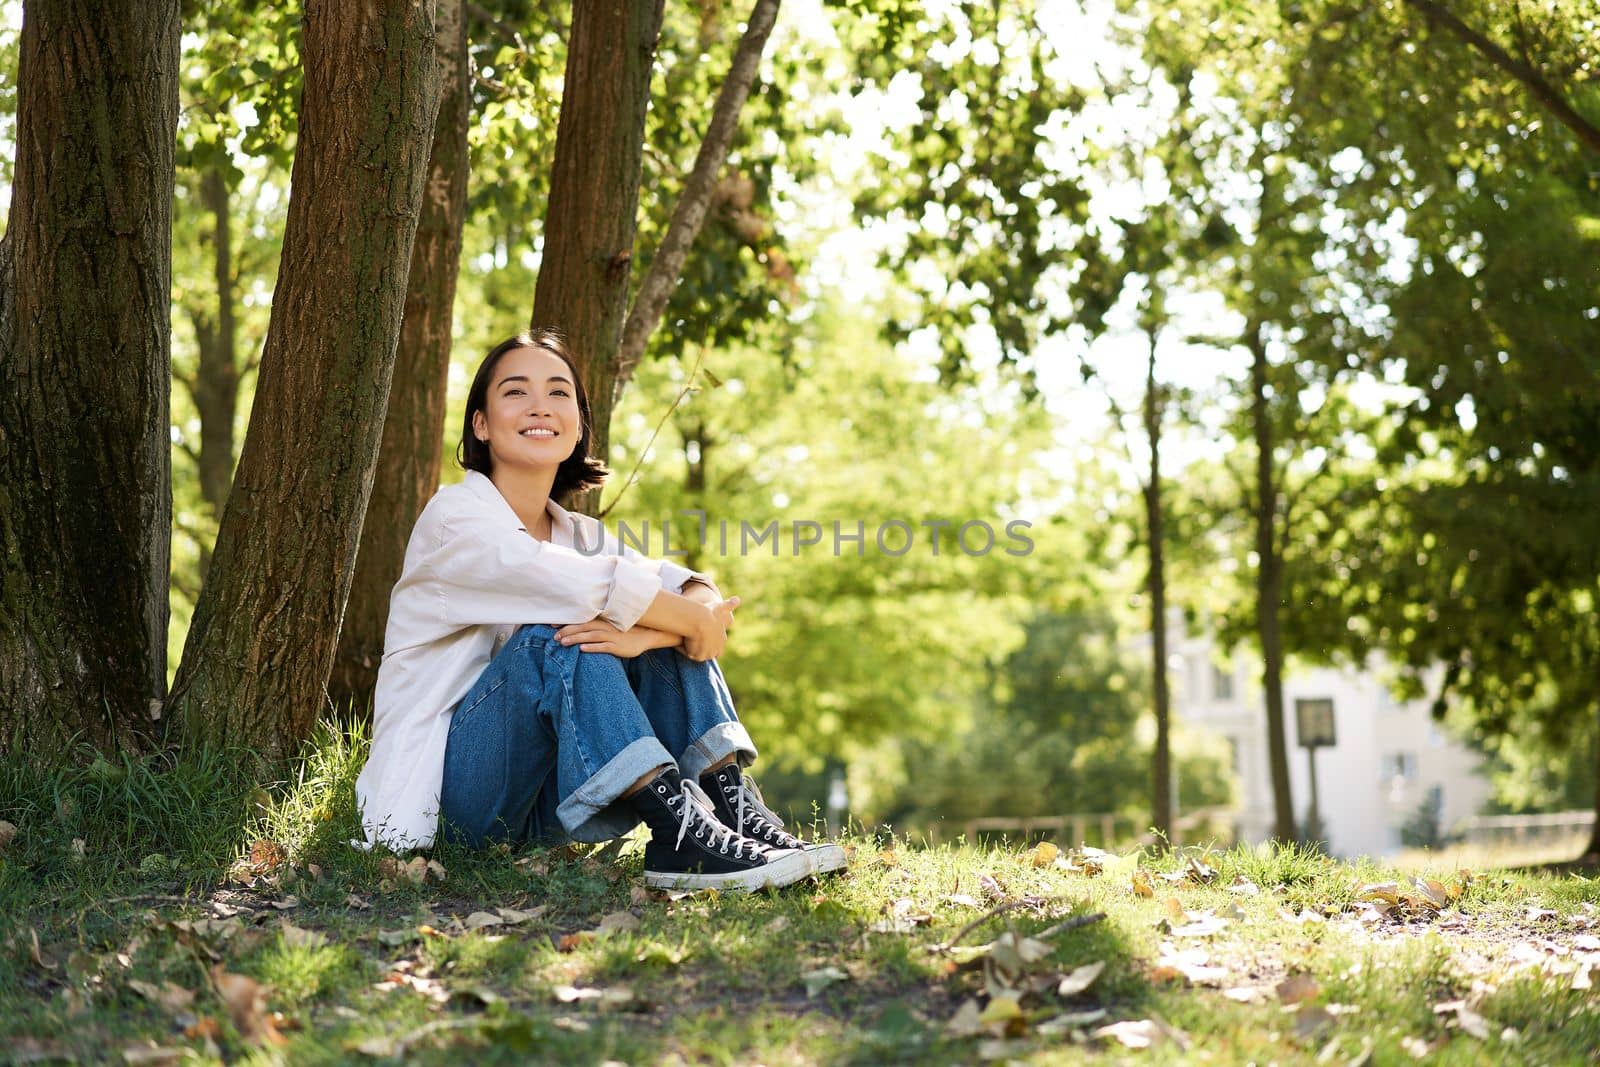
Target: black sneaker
[(738, 804), (690, 849)]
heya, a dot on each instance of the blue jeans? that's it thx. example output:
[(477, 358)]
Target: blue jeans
[(548, 737)]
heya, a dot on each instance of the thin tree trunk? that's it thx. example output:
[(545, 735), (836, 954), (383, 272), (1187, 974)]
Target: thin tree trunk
[(216, 393), (1156, 584), (85, 374), (1592, 851), (262, 641), (594, 192), (1547, 95), (689, 214), (408, 460), (1269, 591)]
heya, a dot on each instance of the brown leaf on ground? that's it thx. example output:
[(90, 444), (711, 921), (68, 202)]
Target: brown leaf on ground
[(1080, 979), (1193, 964), (991, 887), (967, 1021), (532, 865), (960, 900), (1141, 885), (821, 978), (1244, 886), (1309, 1020), (246, 1001), (298, 937), (1043, 854), (149, 1054), (1143, 1033), (8, 833), (515, 916), (169, 996), (266, 856), (479, 920), (1297, 988)]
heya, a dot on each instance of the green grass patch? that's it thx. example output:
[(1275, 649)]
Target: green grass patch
[(179, 911)]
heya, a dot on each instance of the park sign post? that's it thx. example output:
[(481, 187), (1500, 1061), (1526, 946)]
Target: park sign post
[(1314, 723)]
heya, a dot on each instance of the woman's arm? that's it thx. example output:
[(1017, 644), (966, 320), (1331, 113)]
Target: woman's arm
[(703, 627)]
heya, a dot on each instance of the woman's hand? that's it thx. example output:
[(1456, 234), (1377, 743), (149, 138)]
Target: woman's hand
[(598, 635), (712, 637)]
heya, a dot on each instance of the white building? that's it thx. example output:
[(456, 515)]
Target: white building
[(1387, 760)]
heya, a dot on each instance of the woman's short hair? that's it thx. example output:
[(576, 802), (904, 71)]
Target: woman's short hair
[(578, 471)]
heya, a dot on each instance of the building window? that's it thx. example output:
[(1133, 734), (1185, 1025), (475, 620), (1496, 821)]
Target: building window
[(1221, 683), (1399, 767)]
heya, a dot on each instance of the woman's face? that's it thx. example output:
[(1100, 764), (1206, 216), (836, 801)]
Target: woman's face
[(530, 418)]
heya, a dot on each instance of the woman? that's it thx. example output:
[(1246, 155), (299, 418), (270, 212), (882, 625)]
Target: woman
[(541, 683)]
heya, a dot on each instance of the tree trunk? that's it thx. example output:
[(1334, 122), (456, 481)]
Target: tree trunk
[(408, 460), (689, 213), (594, 192), (1156, 584), (85, 374), (216, 391), (262, 641), (1269, 592), (1592, 852)]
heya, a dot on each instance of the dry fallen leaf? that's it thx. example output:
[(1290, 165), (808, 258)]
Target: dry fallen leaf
[(1141, 1034), (478, 920), (1244, 886), (1001, 1011), (1043, 854), (821, 978), (246, 1001), (1299, 987), (617, 996), (967, 1021), (515, 917), (1080, 979), (960, 900), (149, 1054), (1141, 885), (8, 833), (991, 887), (173, 998), (1309, 1019)]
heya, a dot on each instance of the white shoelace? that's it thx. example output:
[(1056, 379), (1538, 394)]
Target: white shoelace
[(750, 793), (697, 809)]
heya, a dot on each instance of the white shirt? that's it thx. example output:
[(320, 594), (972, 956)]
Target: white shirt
[(472, 575)]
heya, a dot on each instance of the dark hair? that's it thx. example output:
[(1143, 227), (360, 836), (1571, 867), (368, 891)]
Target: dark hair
[(578, 471)]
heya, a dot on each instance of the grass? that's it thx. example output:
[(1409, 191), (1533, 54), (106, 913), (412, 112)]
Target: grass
[(164, 913)]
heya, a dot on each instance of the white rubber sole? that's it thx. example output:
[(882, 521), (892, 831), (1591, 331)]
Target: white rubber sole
[(784, 868), (827, 857)]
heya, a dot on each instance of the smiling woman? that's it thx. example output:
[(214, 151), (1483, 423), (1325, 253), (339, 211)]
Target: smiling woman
[(533, 689)]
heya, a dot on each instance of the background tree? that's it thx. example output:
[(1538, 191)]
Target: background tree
[(85, 271), (409, 456), (260, 646)]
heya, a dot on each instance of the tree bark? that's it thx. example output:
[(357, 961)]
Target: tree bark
[(409, 457), (1547, 95), (1269, 591), (1156, 584), (262, 640), (1591, 853), (216, 391), (85, 374), (594, 192), (689, 214)]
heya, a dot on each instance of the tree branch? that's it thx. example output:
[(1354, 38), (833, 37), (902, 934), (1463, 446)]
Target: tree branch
[(689, 214), (1546, 94)]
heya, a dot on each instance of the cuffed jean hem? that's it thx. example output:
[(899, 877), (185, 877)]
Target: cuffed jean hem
[(585, 813), (715, 744)]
